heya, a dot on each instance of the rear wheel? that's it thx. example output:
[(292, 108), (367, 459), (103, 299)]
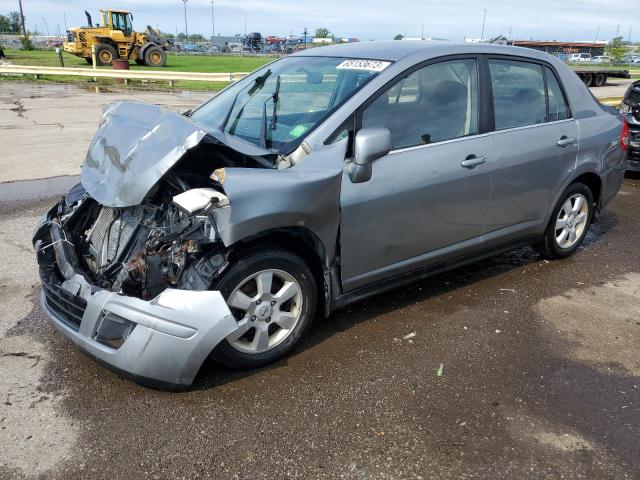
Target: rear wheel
[(569, 222), (89, 60), (105, 55), (272, 295), (587, 78), (600, 80), (140, 61), (155, 56)]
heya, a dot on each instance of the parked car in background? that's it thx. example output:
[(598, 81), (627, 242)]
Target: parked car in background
[(600, 59), (318, 180), (630, 107), (580, 58)]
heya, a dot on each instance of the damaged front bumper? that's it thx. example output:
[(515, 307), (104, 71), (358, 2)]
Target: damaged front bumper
[(160, 343)]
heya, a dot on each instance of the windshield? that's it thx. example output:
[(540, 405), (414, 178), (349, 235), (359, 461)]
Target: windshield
[(278, 105)]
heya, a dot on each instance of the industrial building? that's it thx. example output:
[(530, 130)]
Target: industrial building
[(595, 48)]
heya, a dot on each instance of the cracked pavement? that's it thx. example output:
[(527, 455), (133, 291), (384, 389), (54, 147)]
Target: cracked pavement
[(540, 378), (46, 140)]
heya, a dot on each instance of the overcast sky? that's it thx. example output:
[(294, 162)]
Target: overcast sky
[(372, 19)]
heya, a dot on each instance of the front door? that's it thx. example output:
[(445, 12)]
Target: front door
[(427, 199)]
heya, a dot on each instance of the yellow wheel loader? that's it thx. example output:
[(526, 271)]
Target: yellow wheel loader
[(115, 39)]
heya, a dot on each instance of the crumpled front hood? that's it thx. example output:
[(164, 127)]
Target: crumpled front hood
[(135, 145)]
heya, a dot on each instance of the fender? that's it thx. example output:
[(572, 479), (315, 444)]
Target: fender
[(142, 49), (306, 195)]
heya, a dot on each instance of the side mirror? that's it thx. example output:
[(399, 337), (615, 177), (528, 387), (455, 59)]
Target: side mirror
[(371, 144)]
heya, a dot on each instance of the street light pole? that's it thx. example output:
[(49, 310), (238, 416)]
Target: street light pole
[(213, 21), (24, 30), (484, 17), (186, 28)]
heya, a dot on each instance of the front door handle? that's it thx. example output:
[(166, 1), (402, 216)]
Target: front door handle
[(473, 161), (566, 141)]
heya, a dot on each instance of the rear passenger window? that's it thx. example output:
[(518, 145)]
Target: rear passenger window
[(436, 103), (558, 108), (518, 93)]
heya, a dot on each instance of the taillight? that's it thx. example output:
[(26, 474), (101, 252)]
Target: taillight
[(624, 135)]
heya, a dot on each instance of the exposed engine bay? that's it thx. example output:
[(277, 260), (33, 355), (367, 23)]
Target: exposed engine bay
[(144, 249)]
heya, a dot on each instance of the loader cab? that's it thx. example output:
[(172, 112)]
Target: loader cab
[(118, 20)]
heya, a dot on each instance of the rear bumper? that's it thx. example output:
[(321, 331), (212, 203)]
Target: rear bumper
[(72, 47), (633, 154)]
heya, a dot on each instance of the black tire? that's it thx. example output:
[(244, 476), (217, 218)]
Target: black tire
[(155, 56), (587, 78), (248, 265), (89, 60), (140, 61), (600, 80), (549, 247), (105, 55)]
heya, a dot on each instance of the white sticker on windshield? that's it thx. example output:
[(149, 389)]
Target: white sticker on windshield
[(369, 65)]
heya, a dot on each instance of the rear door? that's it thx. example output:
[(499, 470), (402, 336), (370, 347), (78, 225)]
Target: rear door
[(534, 146), (427, 199)]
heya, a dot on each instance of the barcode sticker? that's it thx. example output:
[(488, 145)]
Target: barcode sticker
[(368, 65)]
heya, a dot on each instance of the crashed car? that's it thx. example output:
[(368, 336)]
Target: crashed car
[(630, 107), (320, 179)]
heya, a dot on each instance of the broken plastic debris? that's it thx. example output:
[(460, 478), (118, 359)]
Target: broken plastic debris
[(507, 290), (409, 335), (498, 331), (440, 370)]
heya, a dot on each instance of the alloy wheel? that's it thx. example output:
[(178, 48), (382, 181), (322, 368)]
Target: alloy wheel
[(267, 306), (572, 220)]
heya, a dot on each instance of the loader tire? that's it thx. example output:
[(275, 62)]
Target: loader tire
[(105, 55), (155, 56)]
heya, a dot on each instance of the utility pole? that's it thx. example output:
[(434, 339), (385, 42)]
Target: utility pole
[(597, 33), (484, 18), (305, 37), (186, 28), (213, 21), (618, 31), (64, 15), (24, 30), (629, 36), (422, 32), (245, 26)]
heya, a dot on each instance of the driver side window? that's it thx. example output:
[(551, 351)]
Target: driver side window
[(435, 103)]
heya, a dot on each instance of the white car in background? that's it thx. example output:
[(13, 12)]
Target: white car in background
[(580, 58)]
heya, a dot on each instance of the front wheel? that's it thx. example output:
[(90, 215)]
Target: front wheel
[(272, 295), (155, 56), (569, 222)]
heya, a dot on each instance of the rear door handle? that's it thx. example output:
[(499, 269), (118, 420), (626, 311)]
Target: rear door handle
[(473, 161), (566, 141)]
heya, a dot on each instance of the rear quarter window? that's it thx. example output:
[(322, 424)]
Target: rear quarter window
[(558, 107)]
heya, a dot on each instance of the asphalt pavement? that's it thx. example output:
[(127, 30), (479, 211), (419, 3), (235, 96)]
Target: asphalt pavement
[(540, 379)]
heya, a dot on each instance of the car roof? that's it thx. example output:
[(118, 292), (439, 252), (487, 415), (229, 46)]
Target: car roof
[(397, 49)]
